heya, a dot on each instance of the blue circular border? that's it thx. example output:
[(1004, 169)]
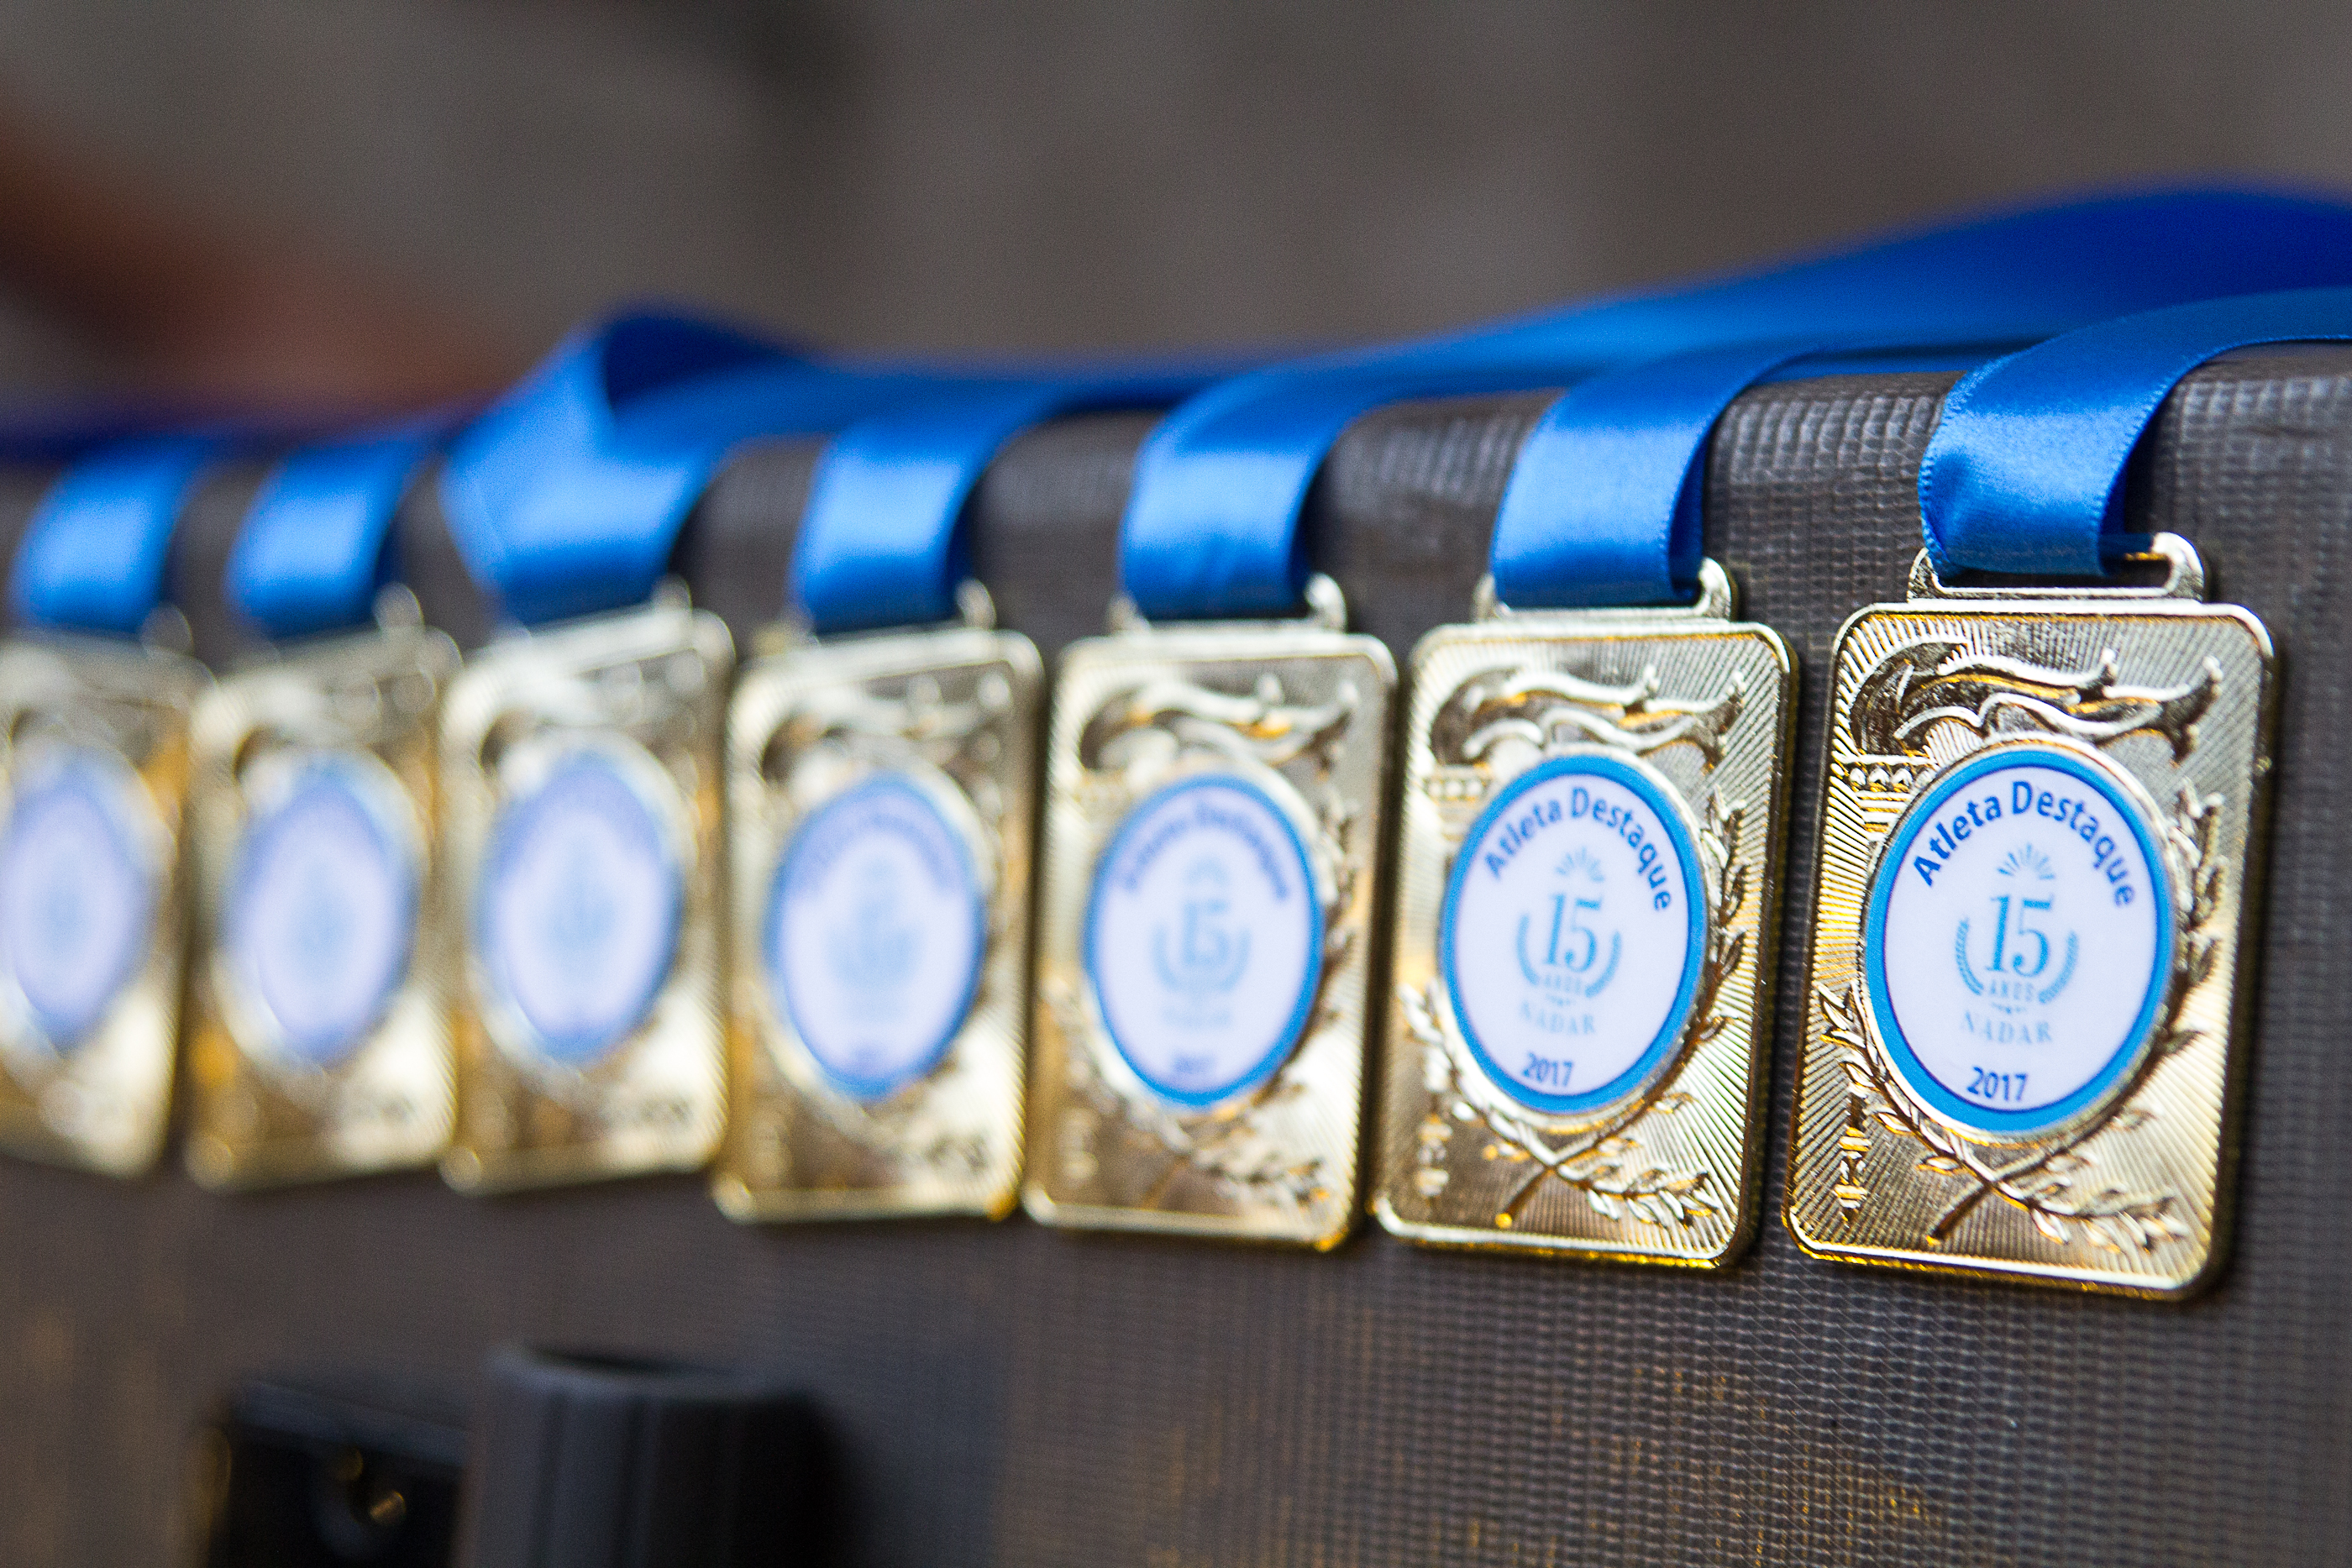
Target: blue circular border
[(894, 782), (1617, 770), (98, 775), (1285, 1043), (1915, 1073), (511, 828), (339, 775)]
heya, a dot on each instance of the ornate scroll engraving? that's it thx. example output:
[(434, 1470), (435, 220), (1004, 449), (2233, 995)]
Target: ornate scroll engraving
[(1921, 682), (1600, 1162), (1147, 730), (1141, 735), (1547, 710), (2052, 1181), (856, 719)]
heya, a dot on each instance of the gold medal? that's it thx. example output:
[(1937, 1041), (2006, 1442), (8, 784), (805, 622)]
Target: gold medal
[(95, 768), (1584, 938), (319, 1037), (580, 772), (1213, 823), (881, 791), (2040, 841)]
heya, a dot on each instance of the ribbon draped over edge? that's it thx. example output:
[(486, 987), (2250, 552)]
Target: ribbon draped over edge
[(2025, 471), (1604, 505), (566, 497), (883, 540), (97, 553), (316, 543)]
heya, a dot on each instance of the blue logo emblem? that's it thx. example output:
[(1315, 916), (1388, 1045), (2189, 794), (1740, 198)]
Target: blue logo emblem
[(320, 911), (1567, 957), (77, 891), (1204, 938), (2015, 975), (2017, 937), (1572, 933), (1210, 953), (876, 931), (877, 950), (580, 901), (580, 913)]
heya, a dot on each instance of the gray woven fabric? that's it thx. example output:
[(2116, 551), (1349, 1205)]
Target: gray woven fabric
[(1009, 1395)]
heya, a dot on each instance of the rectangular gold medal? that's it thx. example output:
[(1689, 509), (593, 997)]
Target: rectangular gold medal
[(880, 791), (1214, 825), (580, 827), (94, 761), (2040, 846), (1584, 929), (319, 1034)]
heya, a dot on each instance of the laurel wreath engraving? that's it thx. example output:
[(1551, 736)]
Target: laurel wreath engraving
[(1141, 734), (1601, 1162), (907, 1125), (2050, 1182)]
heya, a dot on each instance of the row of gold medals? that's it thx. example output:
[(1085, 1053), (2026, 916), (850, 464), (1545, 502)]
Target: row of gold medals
[(2168, 697)]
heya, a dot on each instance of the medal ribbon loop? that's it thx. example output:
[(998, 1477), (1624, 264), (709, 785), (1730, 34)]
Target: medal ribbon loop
[(96, 554), (2025, 471), (566, 497), (882, 542), (313, 551), (1603, 508)]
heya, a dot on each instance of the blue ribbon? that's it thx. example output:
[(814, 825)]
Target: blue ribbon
[(882, 542), (565, 498), (2025, 471), (313, 551), (1591, 514), (96, 553)]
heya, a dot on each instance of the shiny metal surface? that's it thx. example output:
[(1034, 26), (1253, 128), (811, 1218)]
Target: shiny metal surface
[(957, 711), (104, 1101), (652, 682), (1667, 1173), (1301, 712), (2133, 1194), (260, 1115)]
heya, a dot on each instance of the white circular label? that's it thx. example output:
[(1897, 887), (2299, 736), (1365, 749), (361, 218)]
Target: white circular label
[(77, 888), (2017, 937), (1204, 938), (580, 905), (876, 931), (1574, 924), (321, 907)]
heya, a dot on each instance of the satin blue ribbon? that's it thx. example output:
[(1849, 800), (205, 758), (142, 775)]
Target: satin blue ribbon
[(882, 541), (566, 497), (97, 549), (2025, 471), (314, 547), (1212, 526)]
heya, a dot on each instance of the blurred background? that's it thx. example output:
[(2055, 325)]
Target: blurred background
[(296, 199), (290, 202)]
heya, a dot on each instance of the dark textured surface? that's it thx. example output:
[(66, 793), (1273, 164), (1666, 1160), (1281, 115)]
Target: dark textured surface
[(1008, 1395), (595, 1462)]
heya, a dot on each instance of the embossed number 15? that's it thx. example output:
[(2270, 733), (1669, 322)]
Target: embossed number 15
[(1560, 914), (2001, 938)]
